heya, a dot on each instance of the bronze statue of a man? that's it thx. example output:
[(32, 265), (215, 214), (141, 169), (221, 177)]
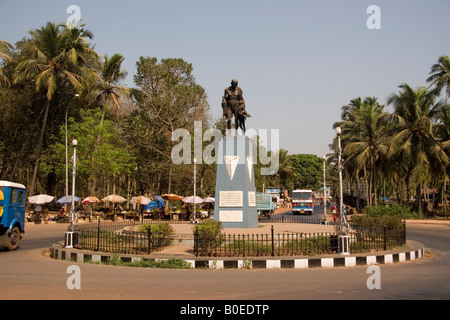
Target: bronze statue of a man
[(233, 104)]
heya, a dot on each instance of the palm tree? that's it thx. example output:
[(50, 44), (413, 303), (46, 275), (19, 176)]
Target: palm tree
[(5, 54), (413, 135), (286, 172), (109, 89), (442, 130), (363, 128), (347, 110), (53, 64), (440, 76)]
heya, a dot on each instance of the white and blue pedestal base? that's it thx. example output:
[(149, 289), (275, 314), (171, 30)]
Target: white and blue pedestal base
[(235, 205)]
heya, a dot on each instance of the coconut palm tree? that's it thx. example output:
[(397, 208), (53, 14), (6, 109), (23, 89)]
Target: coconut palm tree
[(363, 142), (440, 76), (107, 92), (5, 54), (109, 88), (286, 172), (413, 135), (442, 130), (54, 63)]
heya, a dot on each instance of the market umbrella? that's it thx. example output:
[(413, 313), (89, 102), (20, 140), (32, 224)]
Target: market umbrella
[(90, 200), (67, 199), (114, 198), (209, 199), (158, 198), (171, 196), (191, 199), (40, 199), (154, 204), (140, 200)]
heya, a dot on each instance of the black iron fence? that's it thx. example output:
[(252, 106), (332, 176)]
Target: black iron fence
[(125, 237), (121, 237), (283, 219), (302, 244)]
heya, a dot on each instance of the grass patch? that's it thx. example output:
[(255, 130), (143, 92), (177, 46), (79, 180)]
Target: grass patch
[(147, 263)]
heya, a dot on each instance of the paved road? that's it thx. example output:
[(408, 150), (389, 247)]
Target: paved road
[(28, 274), (288, 214)]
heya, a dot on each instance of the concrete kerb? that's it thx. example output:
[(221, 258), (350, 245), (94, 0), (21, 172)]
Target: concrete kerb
[(412, 251)]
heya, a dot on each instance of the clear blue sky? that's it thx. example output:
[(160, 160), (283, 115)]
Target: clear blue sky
[(298, 62)]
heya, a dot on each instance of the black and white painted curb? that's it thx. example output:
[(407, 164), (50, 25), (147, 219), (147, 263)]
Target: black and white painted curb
[(61, 253)]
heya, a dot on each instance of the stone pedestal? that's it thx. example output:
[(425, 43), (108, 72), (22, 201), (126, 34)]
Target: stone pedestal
[(235, 204)]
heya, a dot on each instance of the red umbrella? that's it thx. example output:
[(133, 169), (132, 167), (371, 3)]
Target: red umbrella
[(91, 200)]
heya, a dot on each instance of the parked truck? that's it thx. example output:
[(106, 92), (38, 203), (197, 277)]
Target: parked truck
[(12, 214), (264, 205)]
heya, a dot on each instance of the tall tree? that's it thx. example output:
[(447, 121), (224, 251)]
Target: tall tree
[(169, 99), (364, 143), (108, 93), (440, 76), (308, 170), (109, 90), (5, 54), (413, 135), (54, 63)]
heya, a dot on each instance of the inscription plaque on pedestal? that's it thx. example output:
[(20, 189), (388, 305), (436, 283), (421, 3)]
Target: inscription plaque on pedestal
[(235, 204), (231, 216), (252, 199), (231, 199)]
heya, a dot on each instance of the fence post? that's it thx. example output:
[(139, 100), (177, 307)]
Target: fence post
[(385, 238), (404, 232), (149, 235), (273, 243), (98, 234), (196, 241)]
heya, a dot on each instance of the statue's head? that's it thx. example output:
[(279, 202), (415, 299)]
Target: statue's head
[(234, 82)]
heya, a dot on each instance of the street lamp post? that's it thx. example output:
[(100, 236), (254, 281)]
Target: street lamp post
[(324, 191), (341, 203), (69, 239), (343, 238), (195, 183), (67, 166), (74, 143)]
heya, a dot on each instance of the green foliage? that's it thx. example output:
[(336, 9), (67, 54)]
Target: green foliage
[(209, 233), (379, 216), (116, 260), (366, 221), (161, 233), (320, 244), (208, 229), (392, 209), (112, 156), (308, 169), (169, 99)]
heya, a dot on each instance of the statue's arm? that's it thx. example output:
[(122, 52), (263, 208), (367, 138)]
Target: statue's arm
[(241, 99)]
